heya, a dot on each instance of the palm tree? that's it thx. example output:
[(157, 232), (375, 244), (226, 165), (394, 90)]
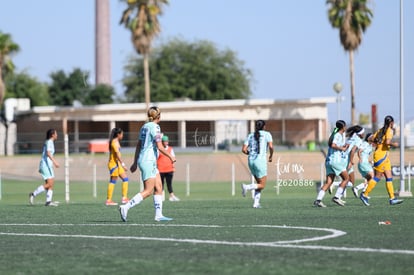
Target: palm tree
[(144, 27), (7, 47), (352, 18)]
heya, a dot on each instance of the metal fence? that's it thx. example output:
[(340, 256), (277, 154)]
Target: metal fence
[(31, 143)]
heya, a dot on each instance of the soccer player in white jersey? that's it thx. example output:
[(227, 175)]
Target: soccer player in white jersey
[(46, 169), (355, 135), (335, 163), (146, 154), (256, 146), (364, 164)]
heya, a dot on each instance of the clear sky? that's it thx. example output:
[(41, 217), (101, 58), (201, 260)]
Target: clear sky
[(290, 46)]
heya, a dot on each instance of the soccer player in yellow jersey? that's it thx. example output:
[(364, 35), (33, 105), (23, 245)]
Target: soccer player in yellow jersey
[(117, 167), (382, 164)]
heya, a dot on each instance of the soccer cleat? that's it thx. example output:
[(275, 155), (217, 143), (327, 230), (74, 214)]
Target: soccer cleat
[(318, 203), (163, 219), (124, 200), (110, 202), (395, 201), (355, 191), (364, 199), (174, 198), (338, 201), (50, 203), (123, 211), (257, 206), (31, 198), (243, 187), (330, 189)]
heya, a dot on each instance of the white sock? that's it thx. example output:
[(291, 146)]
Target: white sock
[(137, 199), (251, 186), (320, 196), (256, 200), (39, 190), (158, 205), (361, 186), (339, 192), (49, 195)]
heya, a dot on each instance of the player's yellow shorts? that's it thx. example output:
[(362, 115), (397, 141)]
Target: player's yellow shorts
[(382, 163), (115, 170)]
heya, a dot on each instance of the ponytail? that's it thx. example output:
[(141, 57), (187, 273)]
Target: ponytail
[(379, 135), (331, 137), (114, 133), (340, 124), (258, 127)]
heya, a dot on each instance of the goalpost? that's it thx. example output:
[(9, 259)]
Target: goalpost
[(66, 148)]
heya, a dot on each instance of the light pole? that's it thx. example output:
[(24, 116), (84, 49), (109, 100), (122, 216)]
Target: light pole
[(402, 192), (338, 88)]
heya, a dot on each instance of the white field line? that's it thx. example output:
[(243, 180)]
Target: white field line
[(283, 244), (334, 233)]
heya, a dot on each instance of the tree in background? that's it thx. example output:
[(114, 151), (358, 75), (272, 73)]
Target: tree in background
[(352, 18), (7, 48), (100, 94), (22, 85), (144, 27), (65, 89), (198, 71)]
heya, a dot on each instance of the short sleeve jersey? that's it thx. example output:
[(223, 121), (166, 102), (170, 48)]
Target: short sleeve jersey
[(115, 147), (388, 135), (354, 141), (382, 149), (149, 135), (333, 154), (366, 150), (264, 139), (48, 146)]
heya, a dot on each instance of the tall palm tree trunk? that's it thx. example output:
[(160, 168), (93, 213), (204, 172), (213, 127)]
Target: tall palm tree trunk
[(147, 80), (2, 86), (351, 70)]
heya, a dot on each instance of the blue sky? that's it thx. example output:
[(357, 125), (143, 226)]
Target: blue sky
[(290, 46)]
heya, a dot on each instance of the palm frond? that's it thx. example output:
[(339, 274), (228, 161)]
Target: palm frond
[(7, 46), (125, 19), (144, 25)]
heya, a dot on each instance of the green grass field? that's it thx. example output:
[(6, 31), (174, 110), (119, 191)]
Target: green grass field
[(212, 232)]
